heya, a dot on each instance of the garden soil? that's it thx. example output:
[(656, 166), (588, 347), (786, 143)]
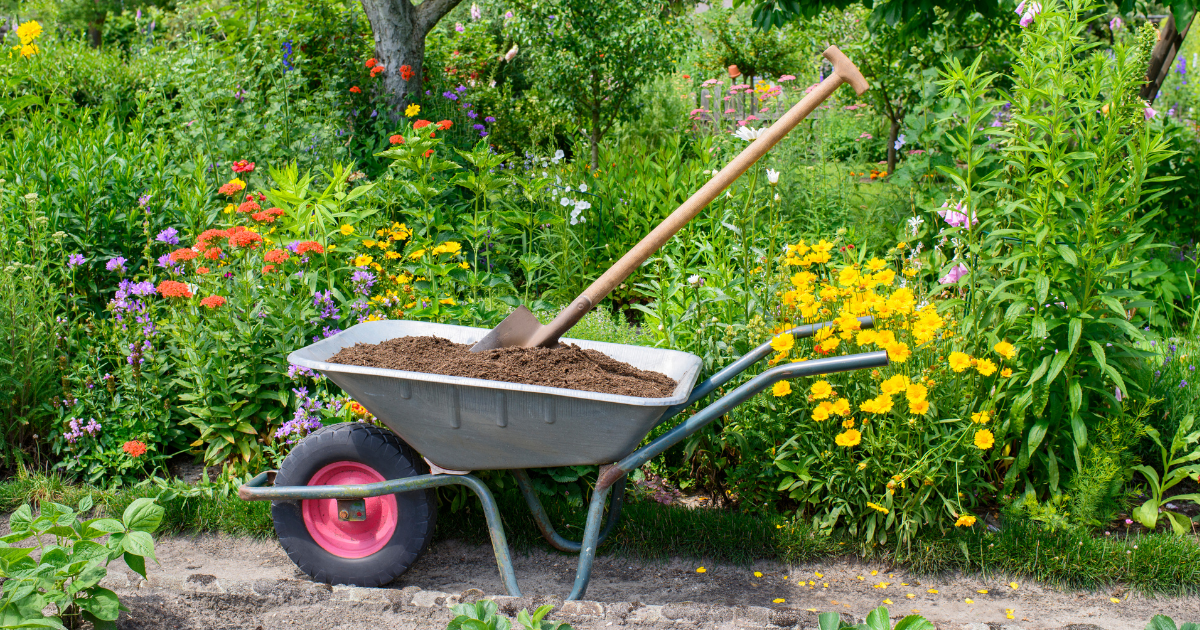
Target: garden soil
[(213, 582), (568, 366)]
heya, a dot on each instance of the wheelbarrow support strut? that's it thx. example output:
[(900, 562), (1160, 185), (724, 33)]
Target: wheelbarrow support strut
[(612, 477)]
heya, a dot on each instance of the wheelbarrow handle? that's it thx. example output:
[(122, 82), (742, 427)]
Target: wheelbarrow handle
[(750, 358), (746, 391)]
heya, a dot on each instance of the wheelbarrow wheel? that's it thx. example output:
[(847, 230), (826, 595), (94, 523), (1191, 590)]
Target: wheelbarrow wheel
[(396, 529)]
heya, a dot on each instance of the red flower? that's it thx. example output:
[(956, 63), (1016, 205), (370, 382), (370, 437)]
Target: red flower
[(687, 76), (202, 270), (406, 72), (232, 188), (242, 166), (213, 253), (171, 288), (276, 255), (262, 217), (262, 197), (275, 212), (429, 153), (357, 409), (444, 125), (249, 207), (268, 269), (371, 62), (212, 301), (355, 90), (245, 239), (309, 246), (134, 448), (376, 70), (396, 139), (421, 124), (183, 254), (202, 241)]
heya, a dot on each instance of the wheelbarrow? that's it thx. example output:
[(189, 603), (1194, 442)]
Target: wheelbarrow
[(354, 503)]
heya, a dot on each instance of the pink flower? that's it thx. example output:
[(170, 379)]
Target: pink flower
[(955, 274), (1028, 11), (1149, 112), (786, 77), (811, 88), (957, 218)]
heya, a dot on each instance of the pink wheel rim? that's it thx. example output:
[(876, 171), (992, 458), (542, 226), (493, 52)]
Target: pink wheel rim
[(349, 539)]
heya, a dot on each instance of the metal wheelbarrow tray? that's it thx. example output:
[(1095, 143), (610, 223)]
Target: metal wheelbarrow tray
[(463, 424), (474, 424)]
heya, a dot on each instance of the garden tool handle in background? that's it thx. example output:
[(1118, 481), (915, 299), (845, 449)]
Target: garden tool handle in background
[(844, 71)]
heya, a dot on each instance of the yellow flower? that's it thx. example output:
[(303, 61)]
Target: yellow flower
[(783, 343), (848, 423), (782, 388), (841, 407), (916, 393), (965, 521), (829, 345), (984, 439), (700, 570), (970, 601), (862, 465), (877, 508), (449, 301), (880, 404), (403, 278), (449, 247), (412, 110), (866, 337), (981, 418), (898, 352), (1008, 612), (230, 208), (29, 50), (1006, 372), (393, 255), (1005, 349), (821, 412), (848, 276), (894, 385), (851, 437), (464, 265), (888, 602), (985, 367), (363, 261), (919, 408), (346, 230), (417, 254), (959, 361), (876, 264), (887, 276), (821, 389), (818, 574)]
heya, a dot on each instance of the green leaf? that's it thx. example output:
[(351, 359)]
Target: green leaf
[(1068, 255), (139, 543), (1161, 622), (1147, 514), (1074, 330), (143, 515), (103, 604), (21, 519), (85, 504), (136, 563), (914, 622), (878, 619), (829, 621), (1056, 366), (106, 525)]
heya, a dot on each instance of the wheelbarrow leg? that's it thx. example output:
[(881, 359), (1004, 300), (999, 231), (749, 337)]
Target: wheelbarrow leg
[(547, 528), (496, 531), (591, 537)]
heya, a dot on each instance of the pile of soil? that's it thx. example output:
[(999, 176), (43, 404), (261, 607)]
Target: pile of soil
[(568, 366)]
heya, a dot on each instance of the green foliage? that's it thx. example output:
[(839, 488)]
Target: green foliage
[(1163, 622), (756, 53), (1184, 448), (593, 57), (68, 571), (877, 619), (482, 616), (1060, 233)]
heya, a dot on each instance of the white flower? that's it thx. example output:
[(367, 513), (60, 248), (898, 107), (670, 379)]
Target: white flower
[(582, 205), (777, 197), (695, 280), (557, 179), (512, 53), (583, 188), (558, 155), (772, 176), (475, 12), (914, 223), (748, 134), (566, 202)]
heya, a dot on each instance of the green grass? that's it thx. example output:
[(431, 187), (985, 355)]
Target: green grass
[(1161, 564)]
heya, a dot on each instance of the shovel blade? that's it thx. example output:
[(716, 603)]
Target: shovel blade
[(515, 331)]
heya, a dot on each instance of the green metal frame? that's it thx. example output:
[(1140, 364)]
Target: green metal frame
[(612, 477)]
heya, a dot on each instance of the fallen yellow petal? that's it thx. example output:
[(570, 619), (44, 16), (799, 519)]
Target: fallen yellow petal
[(910, 596), (1013, 584), (701, 570), (818, 574), (1114, 600), (779, 600), (887, 601), (874, 573), (982, 590), (861, 577), (969, 600), (758, 574), (932, 590)]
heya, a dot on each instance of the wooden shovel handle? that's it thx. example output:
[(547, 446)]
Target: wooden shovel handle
[(843, 72)]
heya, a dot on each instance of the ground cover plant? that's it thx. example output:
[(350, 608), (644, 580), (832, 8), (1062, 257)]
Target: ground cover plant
[(186, 204)]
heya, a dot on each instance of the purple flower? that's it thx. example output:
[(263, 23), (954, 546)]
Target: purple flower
[(287, 54), (460, 89), (956, 218), (1119, 396), (490, 119), (143, 200), (483, 134), (478, 127), (170, 236), (459, 27), (955, 274), (1116, 23), (450, 95), (74, 260), (324, 301), (472, 114), (164, 261), (363, 281), (1028, 11), (1149, 112), (508, 15), (115, 264)]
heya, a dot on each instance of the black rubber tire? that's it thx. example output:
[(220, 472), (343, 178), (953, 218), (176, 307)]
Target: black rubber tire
[(390, 457)]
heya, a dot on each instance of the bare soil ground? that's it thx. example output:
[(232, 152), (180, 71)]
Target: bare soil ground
[(209, 582)]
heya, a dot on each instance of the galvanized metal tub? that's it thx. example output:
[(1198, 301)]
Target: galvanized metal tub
[(475, 424)]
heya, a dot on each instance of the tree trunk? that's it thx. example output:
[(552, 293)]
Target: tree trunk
[(892, 136), (399, 29), (1170, 40), (96, 31)]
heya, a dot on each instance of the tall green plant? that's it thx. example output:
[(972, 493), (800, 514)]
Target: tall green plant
[(1052, 237)]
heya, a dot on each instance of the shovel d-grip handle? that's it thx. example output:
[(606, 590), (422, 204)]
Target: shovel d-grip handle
[(610, 474), (844, 71)]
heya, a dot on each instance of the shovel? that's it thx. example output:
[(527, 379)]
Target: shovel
[(521, 329)]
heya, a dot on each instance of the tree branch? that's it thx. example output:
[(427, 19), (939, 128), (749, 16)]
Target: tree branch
[(427, 14)]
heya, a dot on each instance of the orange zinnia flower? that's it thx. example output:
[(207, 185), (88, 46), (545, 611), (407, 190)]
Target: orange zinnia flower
[(212, 301), (421, 124), (355, 90), (183, 254), (309, 246), (276, 256), (371, 62), (444, 125), (172, 288), (249, 207), (134, 448), (406, 72), (396, 139)]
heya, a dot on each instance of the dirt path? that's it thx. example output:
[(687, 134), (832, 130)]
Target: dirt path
[(213, 582)]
